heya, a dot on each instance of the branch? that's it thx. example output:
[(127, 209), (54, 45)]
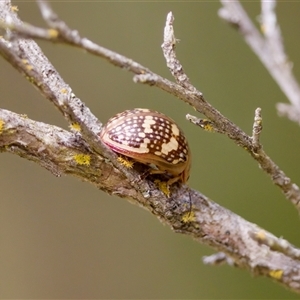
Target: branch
[(81, 154), (269, 49), (57, 150), (242, 243)]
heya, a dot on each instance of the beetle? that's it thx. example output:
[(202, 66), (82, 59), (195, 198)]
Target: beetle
[(151, 138)]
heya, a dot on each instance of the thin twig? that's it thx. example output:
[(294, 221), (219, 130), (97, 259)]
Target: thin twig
[(173, 63), (269, 49), (257, 128), (205, 124)]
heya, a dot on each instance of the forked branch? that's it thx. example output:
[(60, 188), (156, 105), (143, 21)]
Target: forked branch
[(244, 243), (268, 47)]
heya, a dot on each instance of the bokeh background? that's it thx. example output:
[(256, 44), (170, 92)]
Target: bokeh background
[(62, 238)]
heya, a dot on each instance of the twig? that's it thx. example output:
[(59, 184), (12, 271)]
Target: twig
[(257, 128), (269, 49), (173, 63), (205, 124), (271, 31)]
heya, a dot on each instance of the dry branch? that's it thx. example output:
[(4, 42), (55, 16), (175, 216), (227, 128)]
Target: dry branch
[(81, 153)]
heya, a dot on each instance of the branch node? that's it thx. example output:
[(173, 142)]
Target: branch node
[(218, 259), (145, 78), (205, 124)]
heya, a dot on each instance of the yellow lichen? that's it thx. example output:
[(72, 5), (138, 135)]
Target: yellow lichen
[(261, 235), (75, 127), (125, 162), (63, 91), (53, 33), (163, 186), (207, 125), (14, 8), (188, 217), (263, 28), (276, 274), (30, 79), (29, 67), (1, 125), (82, 159), (209, 128)]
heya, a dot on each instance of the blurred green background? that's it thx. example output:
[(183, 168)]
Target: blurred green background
[(62, 238)]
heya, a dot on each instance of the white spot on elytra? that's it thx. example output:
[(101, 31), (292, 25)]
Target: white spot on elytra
[(175, 129), (148, 121), (144, 147), (167, 147)]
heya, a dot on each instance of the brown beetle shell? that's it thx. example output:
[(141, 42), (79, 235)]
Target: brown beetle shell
[(151, 138)]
